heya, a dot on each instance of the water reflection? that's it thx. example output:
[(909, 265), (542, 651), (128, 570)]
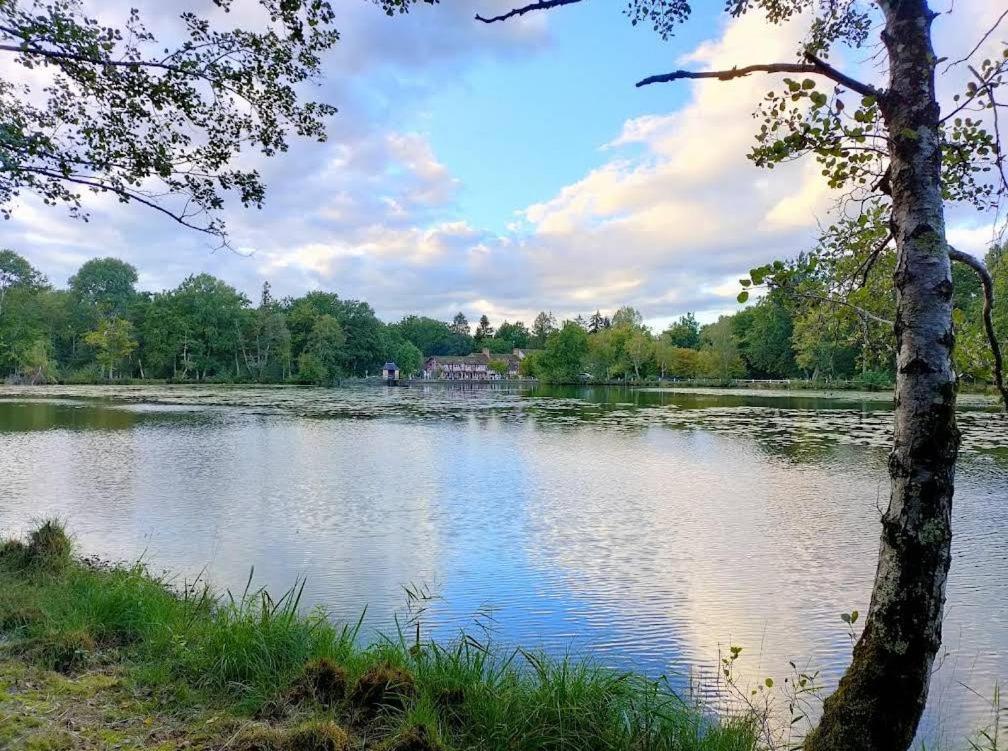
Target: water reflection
[(648, 527)]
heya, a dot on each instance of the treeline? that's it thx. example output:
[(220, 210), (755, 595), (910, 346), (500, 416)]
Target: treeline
[(102, 328), (803, 327)]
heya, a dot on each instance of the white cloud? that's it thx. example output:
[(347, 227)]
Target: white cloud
[(667, 220)]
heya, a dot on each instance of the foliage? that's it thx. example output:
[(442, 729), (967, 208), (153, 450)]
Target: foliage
[(17, 273), (407, 356), (113, 340), (563, 359), (514, 335), (90, 107), (685, 332), (206, 330), (434, 337), (106, 284), (720, 356), (320, 361), (483, 330), (543, 327)]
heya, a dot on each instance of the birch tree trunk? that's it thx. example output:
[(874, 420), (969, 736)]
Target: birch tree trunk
[(879, 701)]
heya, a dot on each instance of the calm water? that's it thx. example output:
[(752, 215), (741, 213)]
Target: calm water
[(651, 528)]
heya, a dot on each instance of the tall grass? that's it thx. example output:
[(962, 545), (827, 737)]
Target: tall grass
[(255, 655)]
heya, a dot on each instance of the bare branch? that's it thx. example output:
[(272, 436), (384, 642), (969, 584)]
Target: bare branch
[(815, 66), (128, 195), (988, 287), (869, 263), (541, 5), (979, 44)]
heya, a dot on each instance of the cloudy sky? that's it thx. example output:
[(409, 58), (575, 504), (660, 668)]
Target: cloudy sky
[(507, 169)]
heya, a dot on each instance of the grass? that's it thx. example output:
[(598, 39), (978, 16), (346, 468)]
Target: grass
[(254, 673)]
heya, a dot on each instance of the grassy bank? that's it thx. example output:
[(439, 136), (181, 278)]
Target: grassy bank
[(96, 657)]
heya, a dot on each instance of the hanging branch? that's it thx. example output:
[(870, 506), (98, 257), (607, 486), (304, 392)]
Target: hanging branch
[(988, 287)]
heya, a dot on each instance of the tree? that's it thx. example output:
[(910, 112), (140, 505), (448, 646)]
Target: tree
[(407, 356), (484, 330), (720, 356), (679, 362), (891, 146), (320, 362), (544, 325), (640, 349), (563, 360), (500, 367), (595, 322), (433, 337), (17, 273), (120, 112), (764, 334), (683, 333), (114, 342), (515, 334), (37, 363), (460, 325), (106, 284), (627, 317), (211, 316)]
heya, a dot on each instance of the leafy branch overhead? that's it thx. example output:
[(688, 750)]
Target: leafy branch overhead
[(173, 124)]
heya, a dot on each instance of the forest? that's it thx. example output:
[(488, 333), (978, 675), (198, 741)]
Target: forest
[(102, 328)]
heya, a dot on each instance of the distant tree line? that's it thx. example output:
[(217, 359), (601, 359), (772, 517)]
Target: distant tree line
[(101, 327), (799, 329)]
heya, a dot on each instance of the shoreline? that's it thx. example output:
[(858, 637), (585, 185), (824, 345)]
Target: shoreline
[(96, 656)]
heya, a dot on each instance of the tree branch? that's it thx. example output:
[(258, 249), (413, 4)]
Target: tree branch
[(979, 44), (865, 315), (815, 66), (988, 287), (998, 153), (127, 195), (541, 5)]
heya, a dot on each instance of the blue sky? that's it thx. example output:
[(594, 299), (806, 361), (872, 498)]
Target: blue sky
[(505, 169)]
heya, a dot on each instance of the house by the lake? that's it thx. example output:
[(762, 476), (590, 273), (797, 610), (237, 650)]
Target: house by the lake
[(390, 373), (479, 366)]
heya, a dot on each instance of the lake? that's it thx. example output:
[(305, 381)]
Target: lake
[(652, 529)]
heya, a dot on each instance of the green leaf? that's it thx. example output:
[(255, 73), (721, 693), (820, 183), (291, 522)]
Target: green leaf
[(853, 616), (745, 282), (743, 296), (768, 682)]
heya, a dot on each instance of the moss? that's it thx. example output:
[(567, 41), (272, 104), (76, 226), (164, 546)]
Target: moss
[(317, 736), (383, 685), (259, 738), (323, 681), (57, 740), (413, 738), (310, 736)]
